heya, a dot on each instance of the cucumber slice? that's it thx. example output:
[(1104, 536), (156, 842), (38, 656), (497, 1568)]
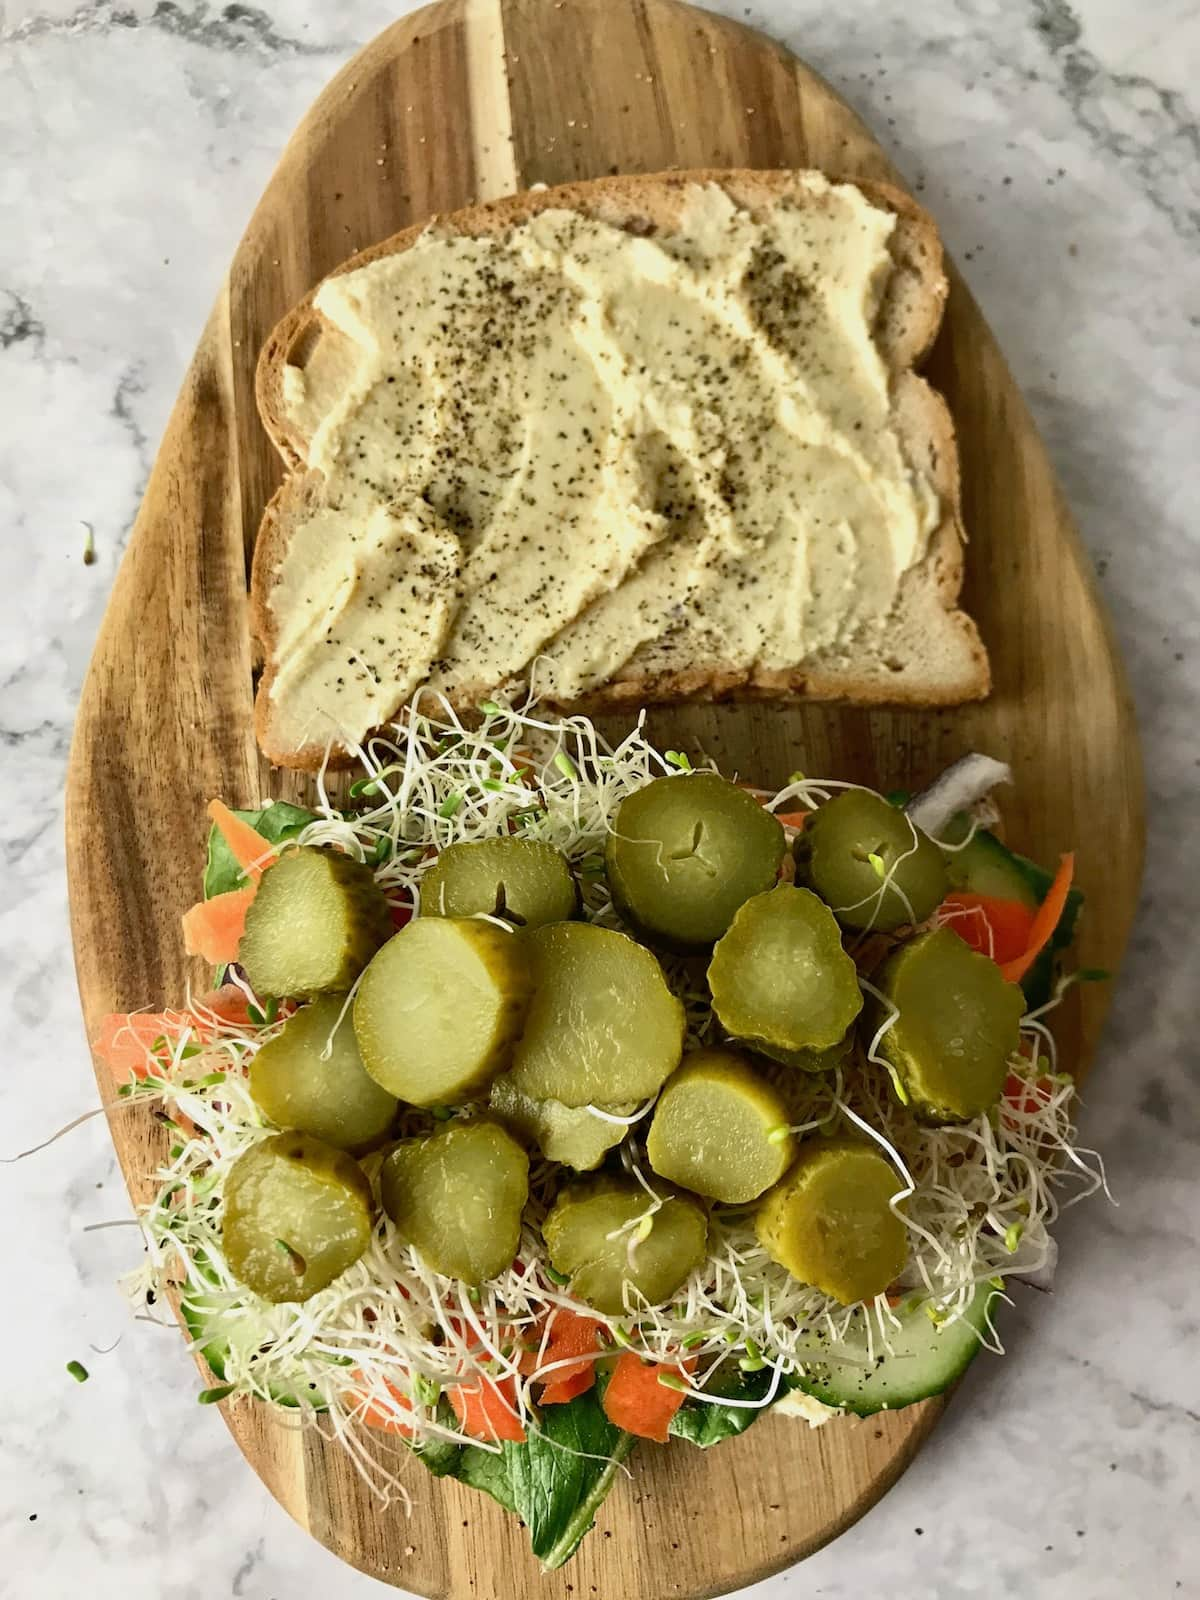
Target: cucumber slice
[(924, 1361), (985, 867), (216, 1327)]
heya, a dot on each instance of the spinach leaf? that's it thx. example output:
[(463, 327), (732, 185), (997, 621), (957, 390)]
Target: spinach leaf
[(441, 1456), (562, 1472), (489, 1472), (706, 1422), (275, 822)]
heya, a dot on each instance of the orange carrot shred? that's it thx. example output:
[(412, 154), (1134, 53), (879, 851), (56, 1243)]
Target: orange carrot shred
[(570, 1335), (1044, 923), (213, 928), (249, 849), (488, 1412), (372, 1414), (125, 1040), (638, 1401)]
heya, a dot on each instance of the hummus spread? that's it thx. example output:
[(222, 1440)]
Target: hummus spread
[(570, 451)]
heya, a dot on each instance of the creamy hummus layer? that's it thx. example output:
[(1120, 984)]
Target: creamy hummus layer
[(569, 450)]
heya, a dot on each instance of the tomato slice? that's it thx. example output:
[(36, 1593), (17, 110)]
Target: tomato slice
[(996, 928)]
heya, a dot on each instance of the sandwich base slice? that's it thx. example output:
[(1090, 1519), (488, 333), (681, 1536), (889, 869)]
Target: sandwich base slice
[(646, 439)]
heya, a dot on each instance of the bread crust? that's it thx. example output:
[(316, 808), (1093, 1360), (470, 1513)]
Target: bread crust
[(907, 324)]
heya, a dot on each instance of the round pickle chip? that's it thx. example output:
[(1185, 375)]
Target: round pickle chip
[(830, 1222), (866, 860), (438, 1009), (720, 1129), (959, 1023), (603, 1027), (457, 1198), (571, 1135), (317, 919), (781, 981), (602, 1236), (311, 1077), (685, 852), (297, 1214), (522, 881)]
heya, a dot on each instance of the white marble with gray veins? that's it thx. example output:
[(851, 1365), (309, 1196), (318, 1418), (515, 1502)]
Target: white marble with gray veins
[(1057, 145)]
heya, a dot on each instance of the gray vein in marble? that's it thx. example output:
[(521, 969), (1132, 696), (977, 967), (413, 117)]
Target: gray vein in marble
[(18, 324), (1129, 115), (130, 385), (234, 27), (251, 1560)]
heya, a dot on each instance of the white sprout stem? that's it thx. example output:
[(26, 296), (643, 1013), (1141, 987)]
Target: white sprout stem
[(622, 1122)]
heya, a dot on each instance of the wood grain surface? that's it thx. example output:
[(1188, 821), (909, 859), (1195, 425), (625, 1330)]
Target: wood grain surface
[(472, 99)]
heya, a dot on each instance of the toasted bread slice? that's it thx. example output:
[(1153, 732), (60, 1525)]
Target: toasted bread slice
[(927, 651)]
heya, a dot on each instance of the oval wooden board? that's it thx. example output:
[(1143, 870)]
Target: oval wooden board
[(471, 100)]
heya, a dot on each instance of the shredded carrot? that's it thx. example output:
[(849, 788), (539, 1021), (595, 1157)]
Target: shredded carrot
[(249, 849), (489, 1411), (638, 1401), (570, 1335), (997, 928), (213, 928), (373, 1414), (1047, 919), (125, 1041)]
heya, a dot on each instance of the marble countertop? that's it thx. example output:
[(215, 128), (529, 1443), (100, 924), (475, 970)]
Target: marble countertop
[(1057, 145)]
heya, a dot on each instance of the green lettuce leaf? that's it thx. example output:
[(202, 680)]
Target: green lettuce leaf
[(706, 1422), (275, 822), (554, 1481), (488, 1472), (562, 1472)]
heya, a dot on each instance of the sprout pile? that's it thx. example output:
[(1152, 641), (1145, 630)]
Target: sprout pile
[(388, 1337)]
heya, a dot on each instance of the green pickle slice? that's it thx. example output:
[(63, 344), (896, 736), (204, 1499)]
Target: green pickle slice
[(570, 1135), (522, 881), (685, 853), (311, 1077), (603, 1027), (297, 1214), (959, 1024), (317, 919), (457, 1198), (870, 863), (438, 1009), (781, 981), (830, 1221), (720, 1129), (600, 1236)]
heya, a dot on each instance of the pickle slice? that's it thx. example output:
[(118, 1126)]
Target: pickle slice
[(835, 1055), (830, 1222), (457, 1198), (317, 919), (522, 881), (870, 863), (311, 1077), (720, 1129), (297, 1214), (603, 1027), (601, 1236), (959, 1024), (571, 1135), (685, 853), (438, 1009), (780, 979)]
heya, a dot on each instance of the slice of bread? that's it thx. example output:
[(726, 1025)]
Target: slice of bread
[(927, 651)]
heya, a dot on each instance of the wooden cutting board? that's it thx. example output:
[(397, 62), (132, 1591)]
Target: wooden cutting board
[(472, 99)]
